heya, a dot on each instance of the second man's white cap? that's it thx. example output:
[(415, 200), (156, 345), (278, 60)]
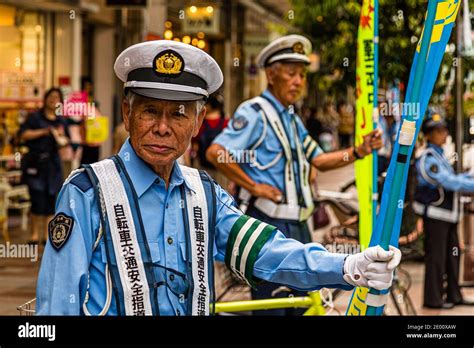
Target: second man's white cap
[(293, 48)]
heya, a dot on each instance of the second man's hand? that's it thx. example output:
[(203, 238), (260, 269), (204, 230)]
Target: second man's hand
[(372, 141), (267, 191)]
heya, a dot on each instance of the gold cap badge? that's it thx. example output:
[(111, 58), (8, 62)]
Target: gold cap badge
[(168, 63), (298, 48), (436, 117)]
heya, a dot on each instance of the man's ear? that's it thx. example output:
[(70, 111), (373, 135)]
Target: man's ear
[(270, 75), (126, 114), (200, 119)]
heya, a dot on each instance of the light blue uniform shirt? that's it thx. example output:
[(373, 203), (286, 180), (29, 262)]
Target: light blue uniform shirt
[(443, 173), (235, 139), (63, 276)]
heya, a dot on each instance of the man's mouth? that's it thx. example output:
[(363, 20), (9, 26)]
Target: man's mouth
[(158, 148)]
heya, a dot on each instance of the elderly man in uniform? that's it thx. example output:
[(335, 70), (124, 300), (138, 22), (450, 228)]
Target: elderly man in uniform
[(136, 234), (436, 201), (272, 152)]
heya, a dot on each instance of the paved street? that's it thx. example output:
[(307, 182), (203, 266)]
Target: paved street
[(18, 275)]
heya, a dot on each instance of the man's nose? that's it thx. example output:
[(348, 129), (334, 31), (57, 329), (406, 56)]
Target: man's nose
[(298, 80), (161, 126)]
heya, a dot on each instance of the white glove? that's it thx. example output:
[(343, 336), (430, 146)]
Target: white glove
[(372, 268)]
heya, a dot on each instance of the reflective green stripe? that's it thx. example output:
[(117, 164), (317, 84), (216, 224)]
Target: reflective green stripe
[(306, 141), (233, 236), (246, 235), (248, 246), (310, 148), (310, 157), (246, 239), (254, 251)]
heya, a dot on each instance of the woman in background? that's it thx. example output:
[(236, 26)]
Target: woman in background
[(43, 133)]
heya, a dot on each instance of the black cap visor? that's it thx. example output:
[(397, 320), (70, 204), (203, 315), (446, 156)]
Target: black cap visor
[(164, 94)]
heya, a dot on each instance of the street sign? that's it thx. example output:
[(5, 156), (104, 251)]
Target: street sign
[(201, 19)]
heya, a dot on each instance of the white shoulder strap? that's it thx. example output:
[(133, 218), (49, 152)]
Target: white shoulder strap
[(72, 175), (277, 126), (197, 210), (275, 123), (304, 171), (118, 210), (428, 151), (259, 142), (304, 166)]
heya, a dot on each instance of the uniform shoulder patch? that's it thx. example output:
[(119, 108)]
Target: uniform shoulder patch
[(434, 168), (82, 181), (60, 228), (256, 107), (239, 122)]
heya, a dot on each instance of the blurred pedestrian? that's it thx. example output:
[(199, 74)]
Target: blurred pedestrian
[(213, 124), (437, 202), (346, 123), (329, 119), (90, 151), (313, 125), (44, 133)]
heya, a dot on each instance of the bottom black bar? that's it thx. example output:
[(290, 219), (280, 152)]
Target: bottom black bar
[(162, 331)]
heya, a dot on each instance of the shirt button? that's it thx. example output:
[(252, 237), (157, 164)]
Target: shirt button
[(171, 277), (166, 205), (170, 240)]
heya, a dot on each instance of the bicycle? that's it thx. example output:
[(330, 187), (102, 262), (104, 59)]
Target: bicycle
[(313, 302)]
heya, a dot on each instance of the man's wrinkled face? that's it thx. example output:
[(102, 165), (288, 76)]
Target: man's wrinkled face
[(288, 81), (160, 130)]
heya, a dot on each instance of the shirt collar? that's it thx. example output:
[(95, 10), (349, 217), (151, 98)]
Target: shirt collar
[(141, 174), (279, 106), (437, 148)]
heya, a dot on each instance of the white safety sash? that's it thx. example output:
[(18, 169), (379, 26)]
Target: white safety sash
[(124, 237), (199, 239), (114, 195), (290, 210)]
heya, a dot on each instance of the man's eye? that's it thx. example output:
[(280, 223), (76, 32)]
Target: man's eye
[(179, 114), (150, 111)]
